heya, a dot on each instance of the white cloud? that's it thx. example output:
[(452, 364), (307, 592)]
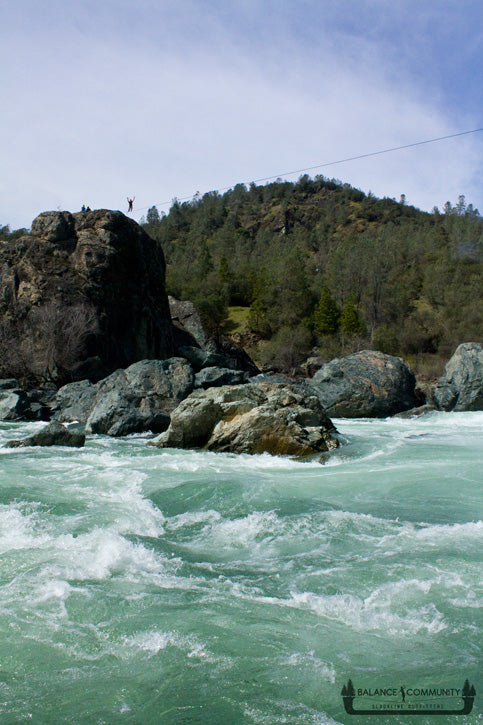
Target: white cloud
[(96, 114)]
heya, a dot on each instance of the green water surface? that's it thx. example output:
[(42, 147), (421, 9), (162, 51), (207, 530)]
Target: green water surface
[(146, 586)]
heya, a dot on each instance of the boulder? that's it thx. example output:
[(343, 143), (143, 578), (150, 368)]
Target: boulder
[(366, 384), (192, 423), (199, 358), (92, 369), (39, 402), (54, 434), (461, 386), (252, 418), (17, 404), (417, 412), (201, 347), (214, 377), (312, 365), (116, 409), (190, 329), (74, 401), (139, 398), (81, 296), (9, 384), (13, 400)]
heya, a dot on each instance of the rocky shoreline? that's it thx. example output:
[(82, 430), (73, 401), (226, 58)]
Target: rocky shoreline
[(82, 299), (222, 409)]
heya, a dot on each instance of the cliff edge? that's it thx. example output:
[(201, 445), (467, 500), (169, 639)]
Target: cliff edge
[(82, 295)]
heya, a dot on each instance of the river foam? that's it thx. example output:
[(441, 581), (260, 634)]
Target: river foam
[(150, 585)]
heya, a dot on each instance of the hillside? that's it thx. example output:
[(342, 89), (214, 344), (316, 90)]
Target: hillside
[(320, 264)]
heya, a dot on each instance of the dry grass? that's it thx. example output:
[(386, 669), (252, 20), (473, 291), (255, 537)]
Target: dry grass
[(237, 318), (427, 367)]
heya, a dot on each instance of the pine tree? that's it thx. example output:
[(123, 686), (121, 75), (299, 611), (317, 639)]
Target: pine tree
[(257, 317), (326, 314), (350, 321), (152, 217)]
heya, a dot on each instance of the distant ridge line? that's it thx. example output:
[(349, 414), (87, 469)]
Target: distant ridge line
[(328, 163)]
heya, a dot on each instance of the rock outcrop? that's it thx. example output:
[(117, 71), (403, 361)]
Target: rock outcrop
[(461, 386), (139, 398), (18, 404), (194, 342), (74, 401), (54, 434), (251, 418), (13, 400), (365, 384), (82, 292)]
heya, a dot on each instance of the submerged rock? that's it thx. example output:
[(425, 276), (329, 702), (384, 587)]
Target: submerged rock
[(251, 418), (417, 412), (461, 386), (365, 384), (54, 434)]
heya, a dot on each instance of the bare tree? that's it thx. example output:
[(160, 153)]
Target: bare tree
[(16, 349), (47, 343), (61, 333)]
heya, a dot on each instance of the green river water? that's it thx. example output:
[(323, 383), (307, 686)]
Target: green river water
[(147, 586)]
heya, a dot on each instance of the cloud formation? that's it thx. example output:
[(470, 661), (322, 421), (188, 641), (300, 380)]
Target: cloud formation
[(158, 100)]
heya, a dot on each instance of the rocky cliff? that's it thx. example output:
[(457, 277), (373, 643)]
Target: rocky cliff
[(80, 296)]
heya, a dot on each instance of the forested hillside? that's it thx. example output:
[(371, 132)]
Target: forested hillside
[(319, 263)]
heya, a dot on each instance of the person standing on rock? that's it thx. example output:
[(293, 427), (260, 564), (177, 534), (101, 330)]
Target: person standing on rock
[(130, 202)]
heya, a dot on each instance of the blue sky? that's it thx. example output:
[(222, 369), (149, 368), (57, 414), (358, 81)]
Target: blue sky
[(161, 99)]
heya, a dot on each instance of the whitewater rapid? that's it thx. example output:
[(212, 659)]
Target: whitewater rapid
[(147, 586)]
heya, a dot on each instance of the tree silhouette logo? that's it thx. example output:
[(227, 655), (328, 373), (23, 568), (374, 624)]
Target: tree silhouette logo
[(404, 700)]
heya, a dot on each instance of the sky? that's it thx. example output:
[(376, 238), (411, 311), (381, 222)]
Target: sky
[(161, 99)]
